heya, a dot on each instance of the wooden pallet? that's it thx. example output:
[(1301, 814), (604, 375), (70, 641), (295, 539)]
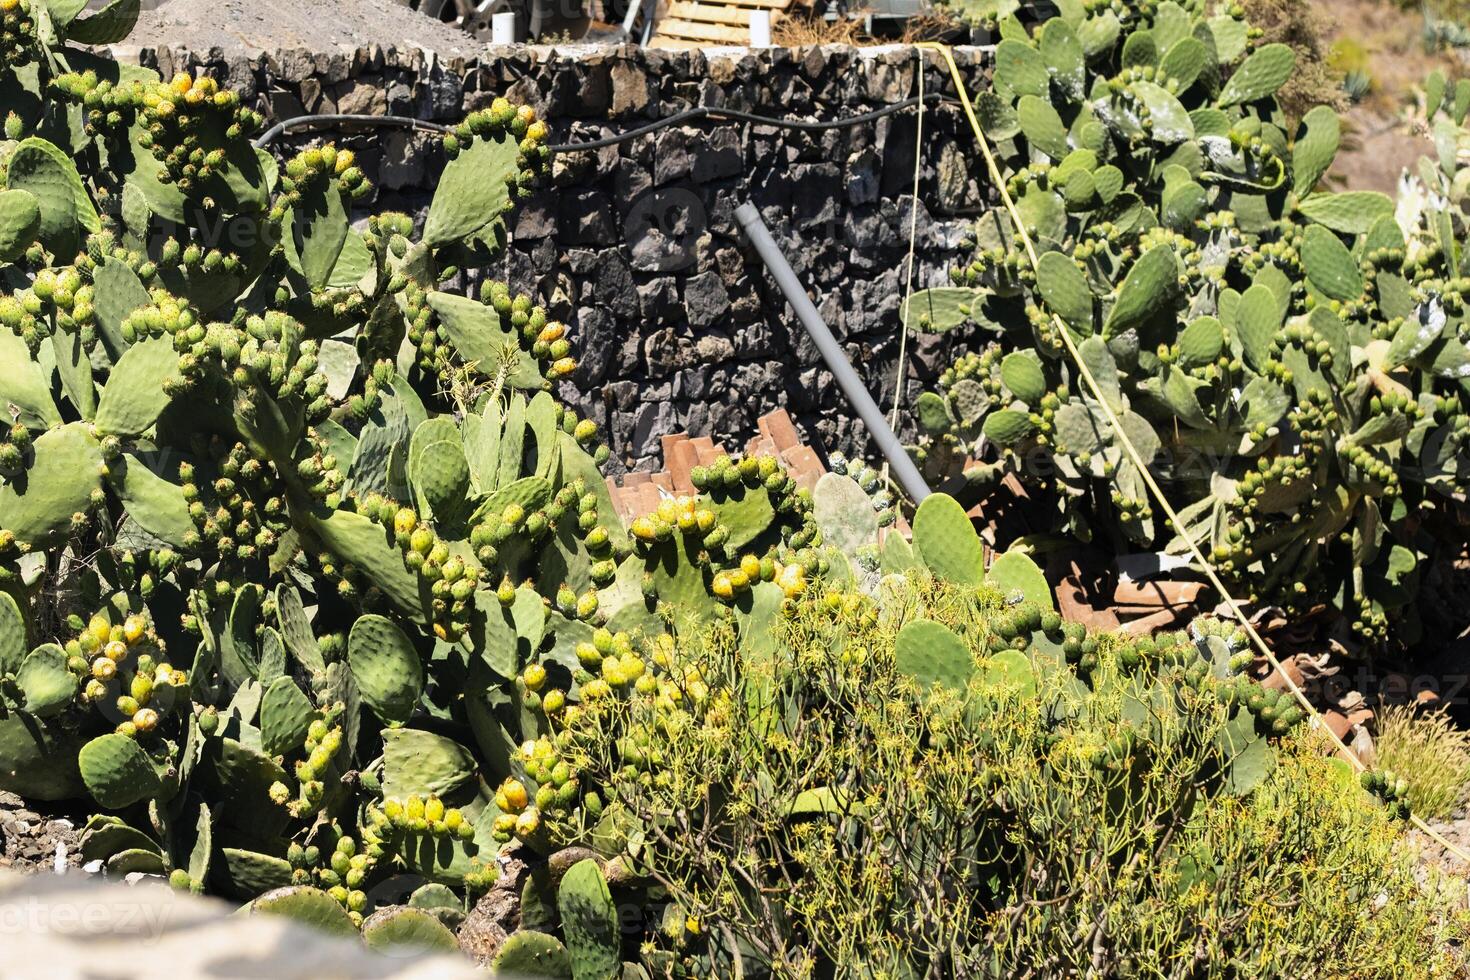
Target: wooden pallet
[(637, 494), (705, 23)]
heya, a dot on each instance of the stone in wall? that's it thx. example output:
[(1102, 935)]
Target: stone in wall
[(636, 245)]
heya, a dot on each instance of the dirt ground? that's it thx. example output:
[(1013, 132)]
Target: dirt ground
[(1376, 146), (270, 25)]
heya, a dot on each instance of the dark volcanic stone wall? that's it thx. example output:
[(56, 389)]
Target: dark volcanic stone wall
[(636, 245)]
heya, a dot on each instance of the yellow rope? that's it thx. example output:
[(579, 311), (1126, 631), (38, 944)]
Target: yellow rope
[(1136, 458)]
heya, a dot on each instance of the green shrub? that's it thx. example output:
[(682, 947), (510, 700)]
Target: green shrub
[(1287, 361), (1080, 803), (1430, 752)]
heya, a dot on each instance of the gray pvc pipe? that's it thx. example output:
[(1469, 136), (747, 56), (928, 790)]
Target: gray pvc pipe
[(902, 466)]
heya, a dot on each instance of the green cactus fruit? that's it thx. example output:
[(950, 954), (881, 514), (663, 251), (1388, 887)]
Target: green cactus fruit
[(117, 771), (309, 906), (1015, 572), (844, 513), (403, 929), (285, 716), (20, 223), (45, 680), (386, 668), (946, 542), (931, 653), (589, 922), (527, 953)]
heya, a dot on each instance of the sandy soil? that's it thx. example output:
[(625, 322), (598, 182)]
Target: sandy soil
[(271, 25)]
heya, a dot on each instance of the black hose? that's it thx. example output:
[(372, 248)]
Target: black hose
[(698, 112)]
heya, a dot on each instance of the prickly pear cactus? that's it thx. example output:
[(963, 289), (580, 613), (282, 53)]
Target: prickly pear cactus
[(1287, 360), (303, 563)]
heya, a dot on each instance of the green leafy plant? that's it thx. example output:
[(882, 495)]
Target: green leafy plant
[(944, 780), (302, 562), (1286, 360)]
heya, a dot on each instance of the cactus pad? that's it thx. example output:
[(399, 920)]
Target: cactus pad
[(20, 223), (40, 759), (1260, 75), (137, 389), (1150, 286), (1316, 146), (931, 653), (938, 310), (590, 922), (403, 929), (844, 512), (12, 635), (23, 386), (946, 541), (1064, 288), (39, 507), (44, 679), (285, 715), (437, 470), (309, 906), (155, 503), (67, 214), (117, 771), (386, 668), (528, 953), (1015, 572), (422, 762)]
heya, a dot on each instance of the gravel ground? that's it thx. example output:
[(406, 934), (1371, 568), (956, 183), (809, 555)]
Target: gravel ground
[(30, 838), (271, 25)]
